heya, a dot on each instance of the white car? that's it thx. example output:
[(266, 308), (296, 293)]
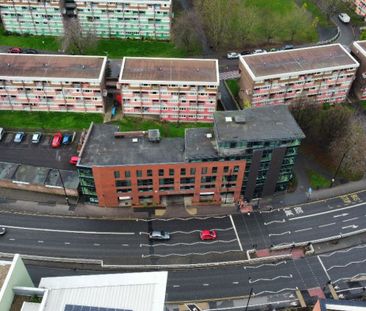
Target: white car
[(36, 137), (259, 51), (344, 18), (232, 55)]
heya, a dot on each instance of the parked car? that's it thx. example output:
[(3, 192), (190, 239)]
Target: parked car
[(2, 230), (30, 51), (36, 138), (15, 50), (2, 133), (259, 51), (288, 47), (245, 52), (56, 140), (159, 235), (344, 18), (67, 139), (74, 160), (208, 235), (232, 55), (19, 137), (273, 50)]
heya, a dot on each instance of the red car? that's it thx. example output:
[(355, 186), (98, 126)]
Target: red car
[(74, 160), (208, 235), (56, 140), (15, 50)]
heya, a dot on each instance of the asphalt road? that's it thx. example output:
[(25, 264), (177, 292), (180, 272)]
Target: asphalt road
[(41, 154), (347, 34)]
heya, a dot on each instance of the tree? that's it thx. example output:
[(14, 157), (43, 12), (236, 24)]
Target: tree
[(349, 150), (330, 7), (185, 32), (77, 41), (296, 22)]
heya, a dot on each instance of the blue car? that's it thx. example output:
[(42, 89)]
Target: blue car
[(19, 137), (67, 139)]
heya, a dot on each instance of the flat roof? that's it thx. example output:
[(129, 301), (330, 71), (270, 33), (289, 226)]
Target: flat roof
[(143, 291), (46, 67), (102, 149), (256, 124), (169, 70), (199, 144), (298, 61), (361, 46)]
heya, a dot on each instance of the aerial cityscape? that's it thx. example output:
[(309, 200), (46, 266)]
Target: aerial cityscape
[(182, 155)]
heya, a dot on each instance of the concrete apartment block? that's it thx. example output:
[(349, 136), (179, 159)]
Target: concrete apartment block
[(134, 19), (359, 86), (319, 73), (52, 82), (177, 90), (32, 17)]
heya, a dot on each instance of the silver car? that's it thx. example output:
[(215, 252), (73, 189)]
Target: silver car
[(159, 235), (36, 137)]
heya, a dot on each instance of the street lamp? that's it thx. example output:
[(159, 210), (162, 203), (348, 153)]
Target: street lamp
[(63, 187), (338, 167)]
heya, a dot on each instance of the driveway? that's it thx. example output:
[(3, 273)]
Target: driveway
[(347, 32)]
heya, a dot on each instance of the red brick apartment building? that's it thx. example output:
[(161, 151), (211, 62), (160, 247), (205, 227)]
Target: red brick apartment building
[(177, 90), (140, 169), (321, 73), (359, 86), (52, 82), (360, 7)]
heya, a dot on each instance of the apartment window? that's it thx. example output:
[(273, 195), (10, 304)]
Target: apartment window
[(204, 170), (127, 174), (226, 169), (236, 168), (123, 183), (149, 173), (161, 172), (214, 170), (171, 172), (144, 182), (166, 181), (117, 174), (183, 171), (192, 171), (139, 173)]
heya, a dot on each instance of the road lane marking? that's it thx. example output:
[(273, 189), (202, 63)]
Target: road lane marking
[(343, 250), (275, 221), (275, 234), (40, 241), (236, 233), (235, 283), (341, 215), (188, 254), (346, 265), (327, 212), (326, 225), (183, 219), (67, 243), (276, 292), (197, 231), (302, 230), (96, 244), (11, 239), (176, 286), (68, 231), (275, 278), (325, 270), (350, 227), (125, 244), (350, 219), (205, 284), (189, 244), (266, 264), (350, 278)]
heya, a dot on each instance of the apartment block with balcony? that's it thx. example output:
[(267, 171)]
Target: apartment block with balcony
[(36, 17), (52, 82), (318, 74), (359, 86), (176, 90), (135, 19), (360, 7), (139, 169)]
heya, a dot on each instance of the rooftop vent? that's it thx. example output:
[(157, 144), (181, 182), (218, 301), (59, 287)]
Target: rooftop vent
[(83, 66), (240, 119), (209, 135), (135, 140), (153, 135), (228, 119)]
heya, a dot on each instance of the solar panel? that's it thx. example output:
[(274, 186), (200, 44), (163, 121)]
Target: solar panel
[(69, 307)]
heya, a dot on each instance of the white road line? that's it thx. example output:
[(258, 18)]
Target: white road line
[(176, 286), (275, 292), (11, 239), (235, 283), (189, 244), (328, 212), (341, 215), (305, 229), (274, 221), (125, 244), (275, 234), (67, 243), (350, 227), (96, 244), (343, 250), (266, 264), (346, 265), (40, 241), (275, 278), (326, 225), (197, 231), (188, 254), (236, 233), (350, 219), (349, 278), (325, 270), (183, 219), (205, 284), (68, 231)]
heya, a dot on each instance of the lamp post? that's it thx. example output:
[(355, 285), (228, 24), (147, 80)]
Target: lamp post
[(63, 187), (250, 295), (338, 167)]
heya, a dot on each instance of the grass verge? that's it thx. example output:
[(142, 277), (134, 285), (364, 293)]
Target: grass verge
[(317, 181), (234, 87)]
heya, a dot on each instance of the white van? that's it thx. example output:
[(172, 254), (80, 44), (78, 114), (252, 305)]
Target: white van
[(2, 133)]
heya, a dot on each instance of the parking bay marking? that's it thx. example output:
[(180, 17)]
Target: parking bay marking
[(236, 233)]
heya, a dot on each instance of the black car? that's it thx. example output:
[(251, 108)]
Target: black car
[(245, 52), (30, 51)]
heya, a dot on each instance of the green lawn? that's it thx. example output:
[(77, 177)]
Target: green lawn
[(113, 48), (48, 120), (317, 13), (166, 129), (233, 85), (317, 181)]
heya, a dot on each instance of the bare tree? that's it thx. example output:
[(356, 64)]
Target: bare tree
[(330, 7), (296, 22), (77, 41), (185, 32)]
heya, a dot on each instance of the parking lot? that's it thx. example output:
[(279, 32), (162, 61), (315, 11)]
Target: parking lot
[(40, 154)]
